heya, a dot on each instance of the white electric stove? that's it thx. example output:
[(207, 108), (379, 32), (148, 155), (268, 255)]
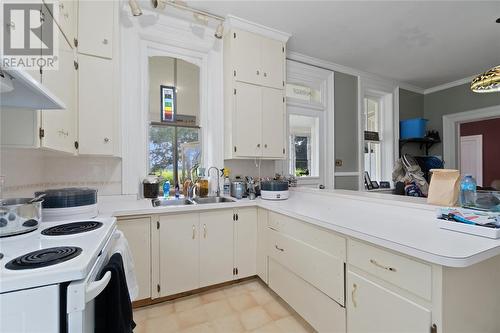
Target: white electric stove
[(48, 277)]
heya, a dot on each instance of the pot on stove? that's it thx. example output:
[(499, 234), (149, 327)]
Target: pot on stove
[(19, 215)]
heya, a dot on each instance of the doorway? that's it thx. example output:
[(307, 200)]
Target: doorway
[(471, 157)]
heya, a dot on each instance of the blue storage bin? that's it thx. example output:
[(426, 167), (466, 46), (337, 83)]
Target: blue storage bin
[(412, 128)]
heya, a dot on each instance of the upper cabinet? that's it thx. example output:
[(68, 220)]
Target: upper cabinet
[(254, 96), (95, 28)]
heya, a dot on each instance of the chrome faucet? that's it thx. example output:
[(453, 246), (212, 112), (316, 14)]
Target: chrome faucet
[(192, 186), (217, 192)]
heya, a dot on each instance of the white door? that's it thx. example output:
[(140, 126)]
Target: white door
[(247, 123), (261, 244), (95, 106), (245, 239), (95, 28), (246, 55), (273, 123), (273, 60), (471, 157), (216, 244), (373, 309), (179, 253), (60, 125), (138, 234)]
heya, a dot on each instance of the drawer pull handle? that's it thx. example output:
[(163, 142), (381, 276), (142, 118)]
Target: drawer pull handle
[(279, 248), (353, 295), (392, 269), (194, 232), (204, 231)]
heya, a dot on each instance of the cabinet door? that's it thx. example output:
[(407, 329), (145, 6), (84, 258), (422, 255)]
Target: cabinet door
[(216, 247), (138, 234), (245, 238), (95, 28), (246, 56), (65, 18), (179, 253), (60, 125), (372, 308), (261, 244), (95, 106), (247, 120), (273, 63), (273, 123)]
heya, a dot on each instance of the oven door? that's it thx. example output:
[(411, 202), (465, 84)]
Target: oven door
[(81, 294)]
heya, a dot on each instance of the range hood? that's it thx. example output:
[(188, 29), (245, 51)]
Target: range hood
[(19, 90)]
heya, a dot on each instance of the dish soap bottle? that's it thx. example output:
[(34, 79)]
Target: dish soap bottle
[(227, 183), (468, 188), (166, 188)]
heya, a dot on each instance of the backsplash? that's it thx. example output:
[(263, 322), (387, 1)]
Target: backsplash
[(26, 171)]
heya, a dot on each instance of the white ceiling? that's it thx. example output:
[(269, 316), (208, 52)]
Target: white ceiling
[(423, 43)]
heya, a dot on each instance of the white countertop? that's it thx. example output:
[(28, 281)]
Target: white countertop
[(402, 224)]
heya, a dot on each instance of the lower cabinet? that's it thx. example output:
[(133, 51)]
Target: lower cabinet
[(138, 234), (372, 308), (245, 242), (262, 217)]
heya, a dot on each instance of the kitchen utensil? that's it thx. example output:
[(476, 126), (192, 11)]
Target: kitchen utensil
[(19, 215), (238, 189), (68, 203), (37, 198)]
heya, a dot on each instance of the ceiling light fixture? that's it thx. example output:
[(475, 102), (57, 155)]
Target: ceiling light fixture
[(219, 32), (134, 8), (487, 82)]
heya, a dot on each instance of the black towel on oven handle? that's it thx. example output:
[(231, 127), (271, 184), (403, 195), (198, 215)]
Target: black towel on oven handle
[(113, 308)]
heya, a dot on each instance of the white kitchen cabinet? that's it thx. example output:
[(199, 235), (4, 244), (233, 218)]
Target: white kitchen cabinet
[(245, 242), (372, 308), (216, 244), (273, 63), (95, 28), (179, 253), (246, 56), (273, 123), (64, 13), (58, 127), (138, 234), (247, 120), (262, 260), (96, 119)]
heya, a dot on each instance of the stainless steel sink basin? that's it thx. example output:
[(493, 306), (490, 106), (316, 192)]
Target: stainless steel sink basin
[(184, 202), (171, 202), (209, 200)]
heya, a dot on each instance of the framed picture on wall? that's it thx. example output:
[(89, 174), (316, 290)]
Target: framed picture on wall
[(167, 103)]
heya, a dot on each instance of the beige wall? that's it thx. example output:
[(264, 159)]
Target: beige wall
[(180, 74)]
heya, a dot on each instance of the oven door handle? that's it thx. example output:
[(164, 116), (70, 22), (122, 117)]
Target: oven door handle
[(95, 288)]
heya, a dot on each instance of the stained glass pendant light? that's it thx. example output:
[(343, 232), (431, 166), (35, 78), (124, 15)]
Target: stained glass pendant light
[(487, 82)]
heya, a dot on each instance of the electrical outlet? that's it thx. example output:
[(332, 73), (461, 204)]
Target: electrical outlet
[(338, 163)]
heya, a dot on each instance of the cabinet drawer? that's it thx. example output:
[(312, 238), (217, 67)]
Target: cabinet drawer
[(319, 310), (320, 269), (403, 272), (315, 236)]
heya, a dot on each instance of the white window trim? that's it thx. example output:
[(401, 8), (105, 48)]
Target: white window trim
[(389, 121)]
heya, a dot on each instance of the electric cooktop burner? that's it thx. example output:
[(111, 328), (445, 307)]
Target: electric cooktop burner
[(44, 257), (71, 228)]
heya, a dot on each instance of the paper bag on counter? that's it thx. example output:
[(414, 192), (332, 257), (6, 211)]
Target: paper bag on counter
[(444, 187)]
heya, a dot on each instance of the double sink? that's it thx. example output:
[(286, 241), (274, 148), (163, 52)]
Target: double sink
[(184, 202)]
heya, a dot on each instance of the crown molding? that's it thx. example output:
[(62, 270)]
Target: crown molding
[(449, 85), (295, 56), (239, 23)]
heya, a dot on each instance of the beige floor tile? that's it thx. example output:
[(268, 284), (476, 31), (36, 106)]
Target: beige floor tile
[(192, 317), (276, 310), (253, 285), (268, 328), (140, 328), (201, 328), (235, 290), (163, 324), (187, 303), (291, 324), (218, 309), (140, 315), (212, 295), (262, 296), (254, 318), (161, 309), (228, 324), (242, 302)]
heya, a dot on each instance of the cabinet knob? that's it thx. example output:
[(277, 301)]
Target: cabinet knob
[(258, 73), (105, 41), (258, 145), (265, 74), (265, 146), (61, 5), (106, 140), (12, 25)]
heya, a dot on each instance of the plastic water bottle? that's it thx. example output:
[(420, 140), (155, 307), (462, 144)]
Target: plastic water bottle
[(166, 189), (468, 191)]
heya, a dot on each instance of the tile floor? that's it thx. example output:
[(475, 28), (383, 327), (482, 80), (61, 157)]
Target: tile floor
[(249, 306)]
